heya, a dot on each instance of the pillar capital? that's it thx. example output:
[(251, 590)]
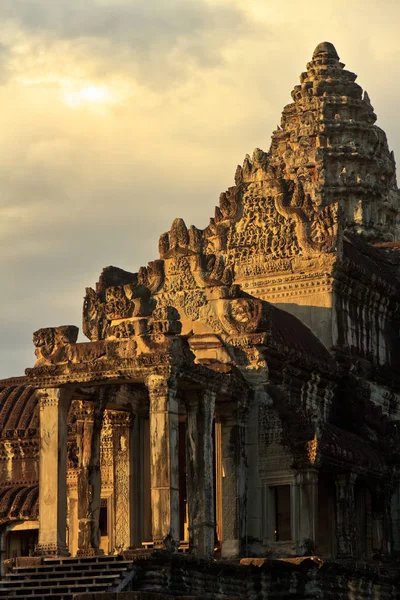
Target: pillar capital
[(193, 398), (83, 410), (119, 418), (53, 396), (344, 482), (160, 384), (307, 476), (235, 412)]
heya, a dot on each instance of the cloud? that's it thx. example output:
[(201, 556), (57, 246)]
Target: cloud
[(139, 23), (156, 42)]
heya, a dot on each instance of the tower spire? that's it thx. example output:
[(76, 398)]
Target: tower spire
[(325, 51), (329, 144)]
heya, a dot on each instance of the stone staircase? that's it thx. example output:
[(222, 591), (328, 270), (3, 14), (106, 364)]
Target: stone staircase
[(60, 578)]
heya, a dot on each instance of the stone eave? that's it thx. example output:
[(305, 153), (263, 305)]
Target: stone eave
[(136, 370), (277, 354), (22, 380), (370, 265), (228, 385)]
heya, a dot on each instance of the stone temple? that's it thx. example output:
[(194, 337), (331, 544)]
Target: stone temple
[(239, 396)]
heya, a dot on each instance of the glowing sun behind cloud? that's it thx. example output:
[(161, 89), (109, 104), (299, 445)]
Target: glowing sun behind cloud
[(87, 95)]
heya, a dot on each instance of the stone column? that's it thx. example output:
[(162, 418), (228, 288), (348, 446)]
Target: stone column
[(380, 518), (345, 515), (307, 486), (3, 537), (164, 462), (200, 406), (89, 477), (218, 483), (254, 510), (233, 484), (388, 526), (122, 425), (394, 532), (95, 472), (53, 407), (85, 416), (142, 487)]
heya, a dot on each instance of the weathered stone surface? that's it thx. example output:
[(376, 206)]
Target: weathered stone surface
[(52, 343), (200, 408), (164, 462), (276, 579), (239, 396), (53, 405)]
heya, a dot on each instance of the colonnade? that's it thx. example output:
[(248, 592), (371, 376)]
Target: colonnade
[(164, 471), (360, 514)]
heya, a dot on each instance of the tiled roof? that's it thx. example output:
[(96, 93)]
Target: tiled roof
[(287, 331), (374, 260), (19, 502), (347, 448), (19, 415)]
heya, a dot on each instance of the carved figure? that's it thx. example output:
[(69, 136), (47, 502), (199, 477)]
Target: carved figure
[(94, 320), (118, 306), (241, 315), (52, 344)]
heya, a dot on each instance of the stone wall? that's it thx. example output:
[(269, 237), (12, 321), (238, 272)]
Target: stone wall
[(256, 579), (130, 596)]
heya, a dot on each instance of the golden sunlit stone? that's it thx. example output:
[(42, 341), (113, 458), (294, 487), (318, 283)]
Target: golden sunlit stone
[(239, 395)]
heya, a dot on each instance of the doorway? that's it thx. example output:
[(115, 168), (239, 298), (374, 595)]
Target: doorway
[(103, 526), (183, 505), (21, 543)]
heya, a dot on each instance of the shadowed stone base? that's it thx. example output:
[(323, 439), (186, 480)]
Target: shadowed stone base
[(51, 550), (90, 552)]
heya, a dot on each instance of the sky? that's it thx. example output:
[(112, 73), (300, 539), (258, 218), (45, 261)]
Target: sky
[(119, 115)]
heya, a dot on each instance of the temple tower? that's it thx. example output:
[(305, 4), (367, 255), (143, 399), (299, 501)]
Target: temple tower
[(329, 146)]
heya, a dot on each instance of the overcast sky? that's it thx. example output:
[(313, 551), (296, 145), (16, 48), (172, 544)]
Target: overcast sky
[(119, 115)]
